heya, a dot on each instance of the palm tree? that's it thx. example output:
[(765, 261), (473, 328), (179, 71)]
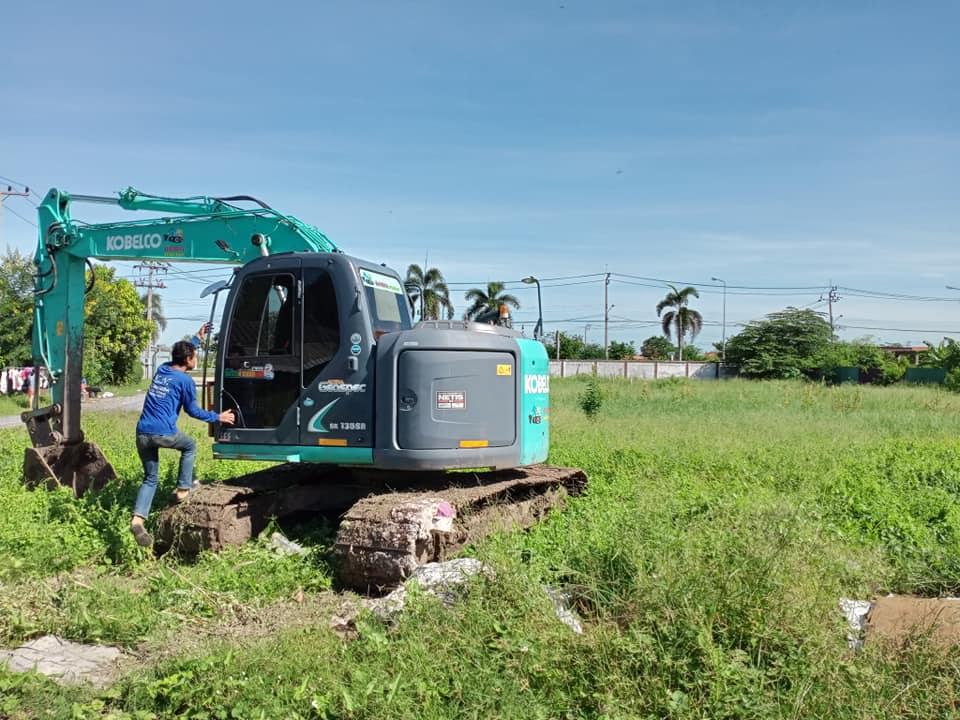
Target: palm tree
[(156, 312), (489, 301), (430, 290), (682, 320)]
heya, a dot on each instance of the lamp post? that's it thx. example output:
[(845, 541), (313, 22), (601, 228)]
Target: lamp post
[(585, 328), (723, 342), (538, 330)]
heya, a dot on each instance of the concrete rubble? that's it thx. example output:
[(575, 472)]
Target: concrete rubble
[(445, 580), (64, 661)]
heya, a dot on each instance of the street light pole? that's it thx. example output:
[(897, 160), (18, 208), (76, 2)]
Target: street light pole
[(585, 328), (723, 342), (538, 330)]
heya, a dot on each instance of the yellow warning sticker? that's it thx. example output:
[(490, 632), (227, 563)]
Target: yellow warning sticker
[(505, 369), (474, 443)]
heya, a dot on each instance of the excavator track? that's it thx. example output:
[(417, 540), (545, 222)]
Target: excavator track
[(391, 522), (383, 538)]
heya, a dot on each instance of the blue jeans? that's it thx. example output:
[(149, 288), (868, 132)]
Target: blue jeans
[(148, 448)]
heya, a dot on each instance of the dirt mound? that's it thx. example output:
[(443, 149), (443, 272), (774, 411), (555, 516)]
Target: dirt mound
[(903, 619)]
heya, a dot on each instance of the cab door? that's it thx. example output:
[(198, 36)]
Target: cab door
[(262, 367)]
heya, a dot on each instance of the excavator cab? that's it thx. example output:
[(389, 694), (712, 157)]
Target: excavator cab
[(321, 363), (297, 364)]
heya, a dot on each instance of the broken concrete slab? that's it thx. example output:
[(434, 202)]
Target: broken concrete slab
[(64, 661)]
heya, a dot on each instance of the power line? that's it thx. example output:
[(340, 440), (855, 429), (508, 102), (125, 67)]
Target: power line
[(812, 288), (482, 283), (10, 192), (16, 214), (910, 330), (882, 295)]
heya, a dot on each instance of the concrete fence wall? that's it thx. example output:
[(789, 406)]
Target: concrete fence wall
[(640, 370)]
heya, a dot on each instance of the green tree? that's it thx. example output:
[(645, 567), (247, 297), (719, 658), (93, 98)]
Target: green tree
[(945, 355), (621, 350), (657, 347), (877, 366), (429, 290), (489, 300), (572, 347), (116, 331), (681, 319), (16, 308), (786, 344)]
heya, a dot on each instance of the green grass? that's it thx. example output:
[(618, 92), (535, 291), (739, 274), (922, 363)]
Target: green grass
[(721, 524)]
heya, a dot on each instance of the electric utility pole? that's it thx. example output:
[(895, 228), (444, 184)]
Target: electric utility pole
[(151, 267), (832, 297), (606, 317)]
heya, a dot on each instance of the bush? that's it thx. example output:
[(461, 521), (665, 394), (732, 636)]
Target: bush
[(953, 380), (591, 399)]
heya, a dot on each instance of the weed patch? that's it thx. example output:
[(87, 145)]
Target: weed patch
[(721, 523)]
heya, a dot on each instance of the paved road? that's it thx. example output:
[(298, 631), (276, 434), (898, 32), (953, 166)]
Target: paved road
[(133, 402)]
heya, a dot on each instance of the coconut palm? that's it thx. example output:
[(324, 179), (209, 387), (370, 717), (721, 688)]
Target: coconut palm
[(682, 320), (430, 290), (156, 312), (489, 300)]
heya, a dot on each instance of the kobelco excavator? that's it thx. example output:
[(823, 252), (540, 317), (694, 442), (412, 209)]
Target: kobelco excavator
[(326, 373)]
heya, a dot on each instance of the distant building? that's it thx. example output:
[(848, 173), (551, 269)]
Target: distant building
[(911, 352)]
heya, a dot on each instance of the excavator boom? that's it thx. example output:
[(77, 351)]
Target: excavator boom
[(204, 229)]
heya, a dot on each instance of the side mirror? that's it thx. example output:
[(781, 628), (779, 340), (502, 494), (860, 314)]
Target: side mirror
[(214, 288)]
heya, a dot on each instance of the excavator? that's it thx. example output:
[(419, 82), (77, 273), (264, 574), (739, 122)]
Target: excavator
[(420, 437)]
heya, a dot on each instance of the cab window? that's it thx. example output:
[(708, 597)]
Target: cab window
[(390, 310)]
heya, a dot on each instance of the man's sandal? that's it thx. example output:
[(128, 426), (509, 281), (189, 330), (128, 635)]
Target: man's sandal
[(143, 538), (177, 499)]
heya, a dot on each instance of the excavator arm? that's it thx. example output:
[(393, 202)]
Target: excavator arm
[(202, 229)]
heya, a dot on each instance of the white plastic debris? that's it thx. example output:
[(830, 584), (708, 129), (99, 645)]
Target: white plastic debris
[(285, 547), (440, 579), (442, 520), (563, 605), (855, 611)]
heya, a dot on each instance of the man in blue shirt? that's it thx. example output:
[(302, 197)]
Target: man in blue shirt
[(171, 390)]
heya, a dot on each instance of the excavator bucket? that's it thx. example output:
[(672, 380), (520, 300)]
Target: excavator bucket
[(81, 466)]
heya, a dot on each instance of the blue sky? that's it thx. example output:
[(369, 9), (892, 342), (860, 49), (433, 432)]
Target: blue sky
[(789, 145)]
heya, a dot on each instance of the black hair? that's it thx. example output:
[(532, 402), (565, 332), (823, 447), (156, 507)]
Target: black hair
[(182, 351)]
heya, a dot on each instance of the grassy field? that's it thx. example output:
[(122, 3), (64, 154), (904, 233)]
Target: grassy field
[(722, 523)]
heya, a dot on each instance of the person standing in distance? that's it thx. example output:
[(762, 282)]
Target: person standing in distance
[(171, 390)]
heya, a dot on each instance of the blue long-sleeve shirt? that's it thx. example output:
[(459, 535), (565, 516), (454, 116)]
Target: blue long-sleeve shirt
[(171, 391)]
